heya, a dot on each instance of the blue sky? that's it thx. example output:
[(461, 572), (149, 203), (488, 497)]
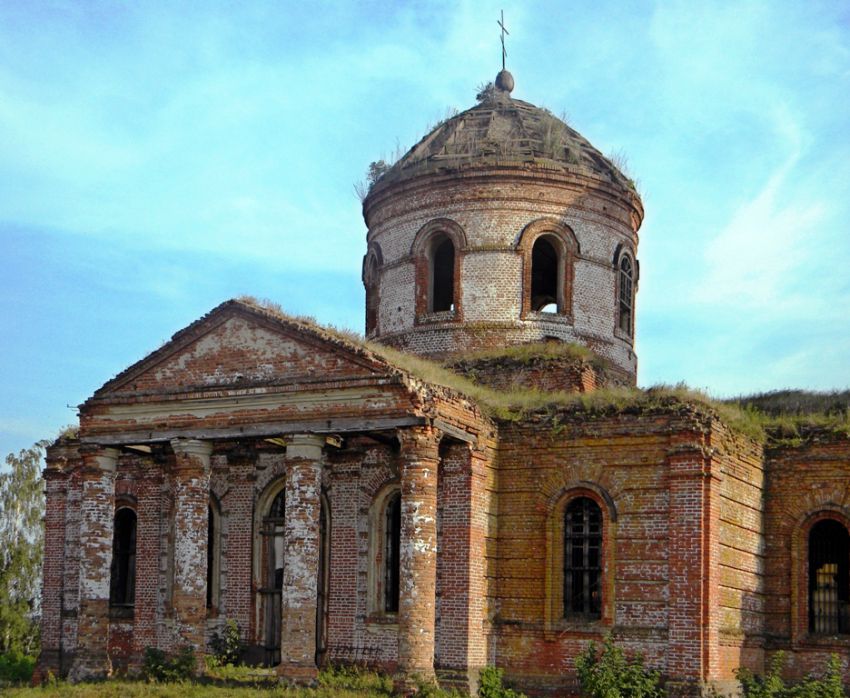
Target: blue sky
[(158, 158)]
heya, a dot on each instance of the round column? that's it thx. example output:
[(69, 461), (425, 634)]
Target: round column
[(418, 554)]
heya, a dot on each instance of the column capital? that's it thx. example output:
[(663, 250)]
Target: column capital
[(98, 458), (192, 447), (420, 440), (306, 446)]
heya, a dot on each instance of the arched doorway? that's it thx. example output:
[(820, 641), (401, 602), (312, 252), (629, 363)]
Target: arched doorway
[(270, 568), (271, 571), (322, 582)]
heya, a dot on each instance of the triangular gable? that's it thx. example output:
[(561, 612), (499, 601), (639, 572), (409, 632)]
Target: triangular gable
[(239, 345)]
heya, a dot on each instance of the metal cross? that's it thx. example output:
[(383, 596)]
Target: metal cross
[(501, 23)]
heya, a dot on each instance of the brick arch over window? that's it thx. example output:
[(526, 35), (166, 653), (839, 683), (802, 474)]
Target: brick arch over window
[(820, 573), (549, 250), (577, 506), (269, 544), (122, 578), (437, 252), (372, 263), (626, 270), (384, 541), (213, 554)]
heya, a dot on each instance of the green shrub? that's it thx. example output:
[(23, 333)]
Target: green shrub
[(610, 674), (771, 685), (490, 685), (16, 667), (159, 666), (226, 644)]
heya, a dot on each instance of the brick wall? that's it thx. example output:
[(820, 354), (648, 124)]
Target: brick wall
[(569, 374), (805, 482), (492, 208)]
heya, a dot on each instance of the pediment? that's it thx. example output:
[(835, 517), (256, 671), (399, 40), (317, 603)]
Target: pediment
[(239, 346)]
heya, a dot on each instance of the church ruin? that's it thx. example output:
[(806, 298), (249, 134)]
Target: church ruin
[(429, 501)]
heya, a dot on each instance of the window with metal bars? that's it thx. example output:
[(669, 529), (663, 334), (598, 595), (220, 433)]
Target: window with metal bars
[(626, 300), (582, 559), (392, 545), (829, 578), (122, 587)]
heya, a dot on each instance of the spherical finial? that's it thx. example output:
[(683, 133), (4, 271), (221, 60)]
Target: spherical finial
[(505, 81)]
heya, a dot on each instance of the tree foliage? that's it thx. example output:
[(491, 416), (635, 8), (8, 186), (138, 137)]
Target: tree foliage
[(21, 550)]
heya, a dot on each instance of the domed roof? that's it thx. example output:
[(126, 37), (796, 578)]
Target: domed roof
[(502, 131)]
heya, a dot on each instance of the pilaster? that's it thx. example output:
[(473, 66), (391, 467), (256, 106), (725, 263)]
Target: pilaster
[(461, 637), (96, 522), (236, 596), (147, 611), (693, 579)]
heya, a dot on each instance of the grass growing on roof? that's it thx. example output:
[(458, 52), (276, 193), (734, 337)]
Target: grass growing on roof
[(526, 353), (780, 418)]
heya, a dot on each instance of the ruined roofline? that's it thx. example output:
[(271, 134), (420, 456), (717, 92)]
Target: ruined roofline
[(421, 377), (430, 379)]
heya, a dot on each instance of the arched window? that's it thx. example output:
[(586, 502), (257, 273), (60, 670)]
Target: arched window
[(384, 551), (625, 313), (829, 578), (437, 253), (272, 532), (549, 250), (582, 559), (545, 276), (213, 554), (442, 276), (122, 586), (392, 545), (371, 282)]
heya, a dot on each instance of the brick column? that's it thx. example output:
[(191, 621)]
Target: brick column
[(97, 509), (53, 574), (463, 508), (693, 578), (299, 599), (419, 461), (191, 499)]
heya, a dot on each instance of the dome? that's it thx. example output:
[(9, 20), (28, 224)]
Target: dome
[(504, 132), (503, 226)]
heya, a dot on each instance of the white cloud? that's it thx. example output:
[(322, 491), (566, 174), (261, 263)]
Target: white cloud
[(753, 257)]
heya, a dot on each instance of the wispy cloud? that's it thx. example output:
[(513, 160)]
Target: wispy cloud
[(752, 260)]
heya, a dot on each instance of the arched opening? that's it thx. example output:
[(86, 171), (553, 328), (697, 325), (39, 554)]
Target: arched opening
[(442, 275), (392, 547), (323, 582), (272, 535), (373, 293), (582, 559), (213, 554), (545, 264), (122, 582), (829, 578), (626, 295)]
